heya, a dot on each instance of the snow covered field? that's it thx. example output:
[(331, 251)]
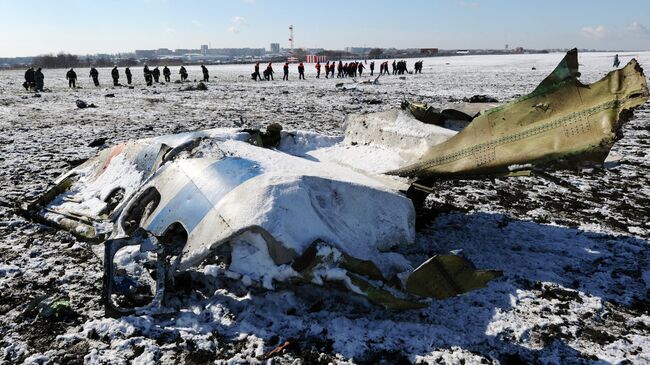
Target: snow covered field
[(576, 267)]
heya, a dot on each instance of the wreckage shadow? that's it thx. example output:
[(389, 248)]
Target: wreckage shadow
[(557, 263)]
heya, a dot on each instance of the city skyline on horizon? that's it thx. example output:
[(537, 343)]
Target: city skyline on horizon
[(99, 27)]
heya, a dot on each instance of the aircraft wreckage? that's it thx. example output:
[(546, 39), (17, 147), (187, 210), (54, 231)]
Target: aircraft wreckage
[(300, 207)]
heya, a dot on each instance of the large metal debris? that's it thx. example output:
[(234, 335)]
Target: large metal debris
[(312, 208), (561, 124)]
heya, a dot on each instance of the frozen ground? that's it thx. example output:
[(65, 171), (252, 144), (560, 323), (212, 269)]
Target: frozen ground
[(576, 268)]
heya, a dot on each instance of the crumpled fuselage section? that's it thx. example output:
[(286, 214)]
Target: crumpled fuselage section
[(301, 207)]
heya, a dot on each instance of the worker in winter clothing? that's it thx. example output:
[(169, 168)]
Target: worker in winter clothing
[(268, 73), (616, 61), (148, 78), (327, 70), (38, 78), (183, 73), (301, 71), (29, 79), (156, 75), (115, 74), (360, 68), (127, 72), (285, 68), (317, 70), (167, 73), (206, 75), (372, 68), (71, 76), (94, 74)]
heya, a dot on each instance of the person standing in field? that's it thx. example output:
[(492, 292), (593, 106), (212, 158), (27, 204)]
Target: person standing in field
[(327, 69), (340, 70), (317, 70), (285, 68), (360, 68), (94, 74), (147, 76), (616, 61), (372, 68), (183, 73), (167, 73), (206, 75), (71, 76), (115, 74), (156, 74), (127, 72), (301, 71)]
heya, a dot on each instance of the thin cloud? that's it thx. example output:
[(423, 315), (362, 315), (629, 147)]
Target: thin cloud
[(598, 32), (638, 29), (468, 4), (239, 20), (233, 30)]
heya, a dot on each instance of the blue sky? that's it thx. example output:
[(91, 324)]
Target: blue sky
[(93, 26)]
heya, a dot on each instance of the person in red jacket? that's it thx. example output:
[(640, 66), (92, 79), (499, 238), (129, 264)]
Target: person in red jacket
[(317, 70), (327, 70), (301, 71), (269, 72)]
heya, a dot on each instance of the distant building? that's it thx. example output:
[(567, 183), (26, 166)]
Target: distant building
[(275, 48), (429, 51), (145, 53), (358, 50), (312, 58), (204, 49), (164, 52)]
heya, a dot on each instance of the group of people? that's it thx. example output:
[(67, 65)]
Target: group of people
[(342, 70), (150, 76), (34, 79)]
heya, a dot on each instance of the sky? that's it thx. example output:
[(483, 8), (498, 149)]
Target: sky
[(34, 27)]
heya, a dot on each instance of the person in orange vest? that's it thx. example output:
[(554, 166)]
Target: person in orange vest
[(301, 71), (327, 70), (285, 68), (317, 70)]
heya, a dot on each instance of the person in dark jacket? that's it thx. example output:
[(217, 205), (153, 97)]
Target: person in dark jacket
[(156, 75), (183, 73), (360, 68), (29, 79), (372, 68), (71, 76), (148, 78), (285, 68), (38, 78), (167, 73), (317, 70), (206, 75), (268, 73), (616, 61), (94, 74), (256, 75), (115, 74), (301, 71), (127, 72)]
